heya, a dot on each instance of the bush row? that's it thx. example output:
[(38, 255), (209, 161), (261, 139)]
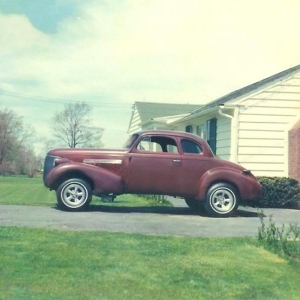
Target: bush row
[(279, 192)]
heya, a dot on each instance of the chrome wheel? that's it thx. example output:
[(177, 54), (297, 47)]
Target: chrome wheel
[(74, 194), (221, 200)]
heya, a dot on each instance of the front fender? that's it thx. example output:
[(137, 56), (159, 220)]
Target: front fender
[(247, 185), (104, 182)]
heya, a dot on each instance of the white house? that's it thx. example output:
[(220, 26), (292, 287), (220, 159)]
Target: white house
[(256, 126)]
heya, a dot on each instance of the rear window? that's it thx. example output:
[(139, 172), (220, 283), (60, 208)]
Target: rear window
[(189, 146)]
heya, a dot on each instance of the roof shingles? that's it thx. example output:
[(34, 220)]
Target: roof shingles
[(248, 89)]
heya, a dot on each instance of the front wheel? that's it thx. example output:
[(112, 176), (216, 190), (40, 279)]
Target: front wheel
[(221, 200), (74, 194)]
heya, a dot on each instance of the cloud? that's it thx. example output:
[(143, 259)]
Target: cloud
[(155, 50)]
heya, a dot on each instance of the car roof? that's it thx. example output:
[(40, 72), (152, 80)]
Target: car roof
[(180, 134), (169, 133)]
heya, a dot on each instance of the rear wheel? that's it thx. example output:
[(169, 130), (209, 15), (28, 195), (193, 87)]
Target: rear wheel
[(74, 194), (221, 200)]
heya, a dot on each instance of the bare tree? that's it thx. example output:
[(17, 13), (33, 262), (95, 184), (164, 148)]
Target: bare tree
[(15, 139), (10, 125), (73, 126)]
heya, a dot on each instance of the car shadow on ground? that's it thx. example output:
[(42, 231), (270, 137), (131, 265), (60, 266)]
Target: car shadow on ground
[(185, 211)]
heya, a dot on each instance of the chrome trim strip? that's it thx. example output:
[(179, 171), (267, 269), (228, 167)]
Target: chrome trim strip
[(102, 161)]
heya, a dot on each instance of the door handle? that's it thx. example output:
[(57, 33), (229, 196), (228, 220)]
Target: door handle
[(176, 161)]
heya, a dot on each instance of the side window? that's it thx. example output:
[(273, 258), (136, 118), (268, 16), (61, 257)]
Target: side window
[(172, 148), (146, 144), (189, 146), (158, 144)]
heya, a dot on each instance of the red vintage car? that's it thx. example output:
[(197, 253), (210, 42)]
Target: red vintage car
[(152, 162)]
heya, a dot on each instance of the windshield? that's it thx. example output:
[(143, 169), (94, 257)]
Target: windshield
[(130, 141)]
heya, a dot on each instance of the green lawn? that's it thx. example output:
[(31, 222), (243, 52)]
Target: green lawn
[(25, 191), (31, 191), (45, 264)]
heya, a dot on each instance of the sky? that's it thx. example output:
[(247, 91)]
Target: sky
[(111, 53)]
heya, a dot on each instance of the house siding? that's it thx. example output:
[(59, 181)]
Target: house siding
[(135, 122), (264, 121), (224, 138)]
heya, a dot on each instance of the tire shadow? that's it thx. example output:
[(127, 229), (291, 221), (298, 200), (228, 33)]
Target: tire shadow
[(185, 211)]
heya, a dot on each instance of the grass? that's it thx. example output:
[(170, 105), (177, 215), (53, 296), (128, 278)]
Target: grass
[(46, 264), (31, 191), (25, 191)]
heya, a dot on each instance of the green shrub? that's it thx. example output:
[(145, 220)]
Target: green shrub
[(279, 192), (285, 240)]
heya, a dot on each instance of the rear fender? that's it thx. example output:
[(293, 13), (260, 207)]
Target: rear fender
[(103, 181), (247, 186)]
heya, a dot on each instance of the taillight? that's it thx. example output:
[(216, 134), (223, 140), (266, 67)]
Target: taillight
[(247, 172)]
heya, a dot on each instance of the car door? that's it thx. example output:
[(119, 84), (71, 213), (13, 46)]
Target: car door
[(194, 164), (154, 166)]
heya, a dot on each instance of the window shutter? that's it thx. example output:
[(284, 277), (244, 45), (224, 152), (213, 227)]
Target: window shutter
[(212, 134)]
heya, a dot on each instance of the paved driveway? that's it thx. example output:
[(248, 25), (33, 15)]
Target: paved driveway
[(174, 221)]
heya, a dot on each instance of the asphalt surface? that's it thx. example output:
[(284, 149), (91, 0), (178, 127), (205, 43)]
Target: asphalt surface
[(174, 221)]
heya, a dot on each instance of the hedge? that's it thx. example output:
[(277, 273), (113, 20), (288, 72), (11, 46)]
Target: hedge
[(279, 192)]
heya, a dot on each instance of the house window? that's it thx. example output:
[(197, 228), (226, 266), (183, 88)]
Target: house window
[(189, 128), (208, 132), (201, 131), (211, 126)]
